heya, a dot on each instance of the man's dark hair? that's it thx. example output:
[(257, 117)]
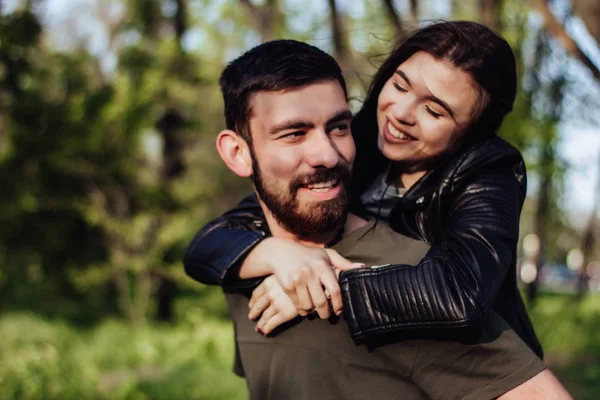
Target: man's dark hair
[(272, 66)]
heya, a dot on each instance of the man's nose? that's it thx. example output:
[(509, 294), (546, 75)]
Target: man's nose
[(322, 151)]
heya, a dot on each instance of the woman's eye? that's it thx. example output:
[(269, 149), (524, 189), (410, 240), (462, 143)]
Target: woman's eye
[(433, 113), (400, 88)]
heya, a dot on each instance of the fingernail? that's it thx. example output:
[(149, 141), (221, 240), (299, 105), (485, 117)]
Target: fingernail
[(338, 313), (359, 265)]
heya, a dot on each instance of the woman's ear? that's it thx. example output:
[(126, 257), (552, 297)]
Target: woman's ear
[(235, 153)]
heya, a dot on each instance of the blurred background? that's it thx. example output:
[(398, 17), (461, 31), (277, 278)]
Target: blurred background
[(108, 114)]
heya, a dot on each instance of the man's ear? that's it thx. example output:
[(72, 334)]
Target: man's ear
[(235, 153)]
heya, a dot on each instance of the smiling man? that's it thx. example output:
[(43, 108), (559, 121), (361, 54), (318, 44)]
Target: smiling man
[(288, 129)]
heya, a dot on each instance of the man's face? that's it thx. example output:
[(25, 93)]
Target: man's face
[(302, 152)]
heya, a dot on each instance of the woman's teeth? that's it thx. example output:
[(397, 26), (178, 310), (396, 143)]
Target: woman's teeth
[(397, 134), (323, 186)]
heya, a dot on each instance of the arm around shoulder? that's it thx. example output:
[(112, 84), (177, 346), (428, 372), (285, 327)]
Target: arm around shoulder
[(224, 242), (457, 282)]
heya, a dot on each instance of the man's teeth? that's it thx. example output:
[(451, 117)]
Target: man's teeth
[(397, 134), (323, 186)]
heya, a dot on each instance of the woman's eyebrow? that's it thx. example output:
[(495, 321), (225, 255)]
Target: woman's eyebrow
[(437, 100), (442, 104), (403, 76)]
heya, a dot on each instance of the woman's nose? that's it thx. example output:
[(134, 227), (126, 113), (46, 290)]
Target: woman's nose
[(404, 112)]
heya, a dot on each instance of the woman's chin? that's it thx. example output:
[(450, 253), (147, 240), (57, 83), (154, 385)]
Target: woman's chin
[(392, 152)]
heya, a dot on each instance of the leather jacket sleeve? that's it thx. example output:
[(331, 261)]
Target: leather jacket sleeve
[(223, 242), (457, 281)]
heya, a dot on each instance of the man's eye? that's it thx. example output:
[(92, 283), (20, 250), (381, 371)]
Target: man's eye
[(433, 113), (292, 135), (340, 129), (400, 88)]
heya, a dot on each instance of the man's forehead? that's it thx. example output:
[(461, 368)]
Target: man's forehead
[(316, 102)]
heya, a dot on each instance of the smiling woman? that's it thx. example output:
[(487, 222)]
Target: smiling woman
[(422, 110)]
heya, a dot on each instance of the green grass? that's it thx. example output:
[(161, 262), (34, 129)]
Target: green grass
[(41, 359), (49, 359), (569, 332)]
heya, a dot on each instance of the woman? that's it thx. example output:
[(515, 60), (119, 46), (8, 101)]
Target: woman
[(429, 163)]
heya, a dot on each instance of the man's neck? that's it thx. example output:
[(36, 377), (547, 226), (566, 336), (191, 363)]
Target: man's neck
[(321, 239)]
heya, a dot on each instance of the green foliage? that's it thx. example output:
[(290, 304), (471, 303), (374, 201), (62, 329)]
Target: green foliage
[(46, 359), (42, 359), (572, 350)]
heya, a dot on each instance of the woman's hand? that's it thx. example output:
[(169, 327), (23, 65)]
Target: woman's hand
[(270, 302), (303, 272)]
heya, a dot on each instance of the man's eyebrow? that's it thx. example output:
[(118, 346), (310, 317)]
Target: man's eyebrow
[(403, 76), (289, 125), (343, 115), (442, 104)]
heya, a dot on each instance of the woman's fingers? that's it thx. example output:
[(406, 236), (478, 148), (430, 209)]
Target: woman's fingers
[(319, 300), (333, 292), (273, 323), (266, 315), (337, 260), (285, 311), (256, 294), (304, 302), (258, 307)]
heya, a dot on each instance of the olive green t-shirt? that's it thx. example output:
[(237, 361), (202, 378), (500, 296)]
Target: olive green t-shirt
[(316, 359)]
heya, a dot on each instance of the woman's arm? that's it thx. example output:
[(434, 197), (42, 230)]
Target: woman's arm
[(459, 278), (224, 242), (235, 251)]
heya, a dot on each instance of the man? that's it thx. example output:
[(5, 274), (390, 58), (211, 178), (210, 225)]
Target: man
[(289, 130)]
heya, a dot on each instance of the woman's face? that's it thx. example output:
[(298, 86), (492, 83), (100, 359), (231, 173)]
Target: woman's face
[(423, 108)]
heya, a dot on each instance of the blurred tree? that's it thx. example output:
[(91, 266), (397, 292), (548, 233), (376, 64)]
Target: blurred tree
[(394, 17), (489, 14), (266, 19), (589, 12), (558, 31), (341, 42), (49, 101)]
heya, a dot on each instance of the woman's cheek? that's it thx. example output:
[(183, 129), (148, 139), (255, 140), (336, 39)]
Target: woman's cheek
[(436, 136)]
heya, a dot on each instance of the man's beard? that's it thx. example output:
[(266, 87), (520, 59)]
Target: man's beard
[(313, 217)]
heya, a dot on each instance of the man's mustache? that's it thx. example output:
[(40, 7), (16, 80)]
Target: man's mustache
[(339, 172)]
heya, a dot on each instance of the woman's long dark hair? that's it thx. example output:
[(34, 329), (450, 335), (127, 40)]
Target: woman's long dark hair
[(470, 46)]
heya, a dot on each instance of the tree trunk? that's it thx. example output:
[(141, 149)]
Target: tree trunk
[(180, 19), (547, 161), (489, 14), (541, 216), (588, 241), (557, 30), (340, 38), (393, 17), (414, 10), (589, 12), (165, 294), (263, 18)]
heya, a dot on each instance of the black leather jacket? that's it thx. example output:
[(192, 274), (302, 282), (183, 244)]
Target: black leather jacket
[(468, 210)]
